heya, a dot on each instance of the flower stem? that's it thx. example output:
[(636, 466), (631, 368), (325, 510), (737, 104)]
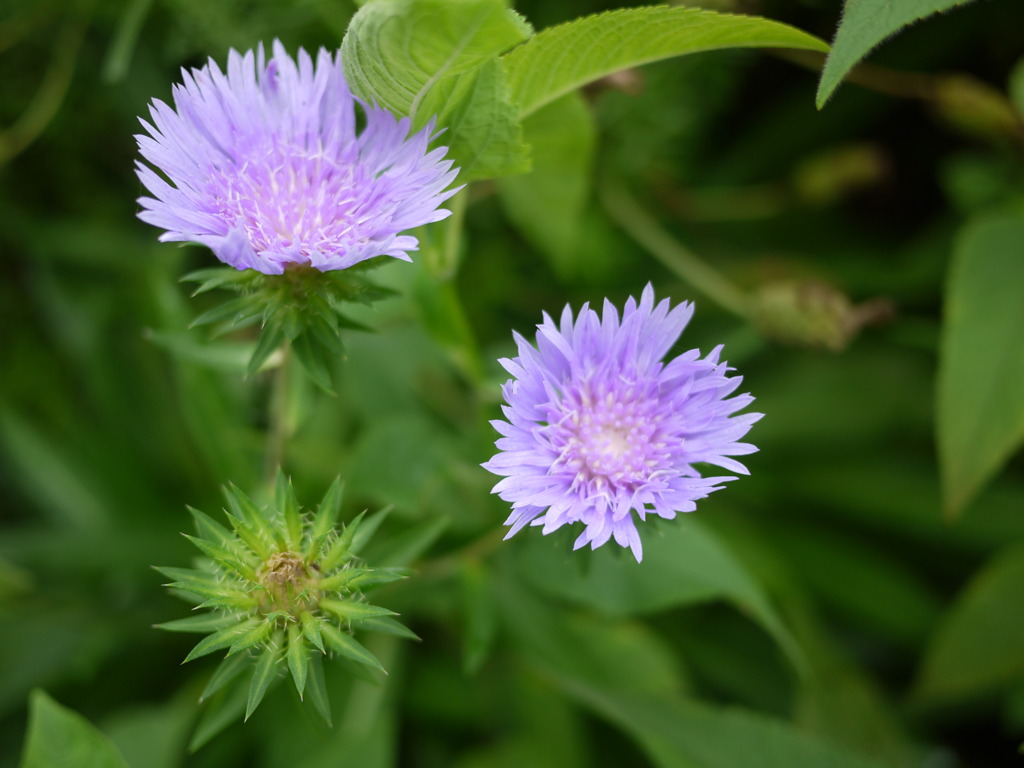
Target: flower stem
[(638, 224), (279, 427)]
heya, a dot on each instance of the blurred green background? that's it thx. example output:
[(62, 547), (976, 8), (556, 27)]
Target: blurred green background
[(114, 416)]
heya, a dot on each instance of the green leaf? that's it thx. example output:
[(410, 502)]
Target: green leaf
[(362, 535), (684, 563), (422, 58), (547, 204), (223, 557), (57, 736), (253, 636), (345, 645), (298, 658), (208, 528), (224, 709), (326, 518), (373, 577), (236, 311), (977, 648), (624, 674), (316, 360), (311, 629), (271, 337), (404, 548), (342, 580), (288, 507), (339, 550), (230, 356), (865, 24), (317, 687), (228, 669), (201, 623), (189, 575), (483, 133), (560, 59), (388, 626), (348, 610), (242, 507), (479, 617), (980, 417), (262, 677), (221, 639)]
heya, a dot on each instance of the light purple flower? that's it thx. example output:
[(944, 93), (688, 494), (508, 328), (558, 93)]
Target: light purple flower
[(599, 428), (267, 167)]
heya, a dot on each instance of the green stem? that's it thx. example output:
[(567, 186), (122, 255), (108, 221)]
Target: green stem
[(279, 427), (638, 224)]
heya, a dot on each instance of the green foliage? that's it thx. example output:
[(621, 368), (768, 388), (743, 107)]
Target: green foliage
[(976, 648), (564, 58), (547, 205), (303, 307), (980, 419), (425, 58), (865, 24), (57, 737), (822, 612)]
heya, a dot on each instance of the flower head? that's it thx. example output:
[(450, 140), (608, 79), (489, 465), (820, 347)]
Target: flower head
[(268, 168), (280, 590), (599, 428)]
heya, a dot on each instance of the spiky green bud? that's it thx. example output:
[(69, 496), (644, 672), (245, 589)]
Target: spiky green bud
[(280, 590)]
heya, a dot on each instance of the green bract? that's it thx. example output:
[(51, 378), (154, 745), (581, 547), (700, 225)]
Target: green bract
[(302, 306), (280, 590)]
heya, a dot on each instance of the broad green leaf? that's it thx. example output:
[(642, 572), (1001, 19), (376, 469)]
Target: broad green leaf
[(622, 673), (865, 24), (560, 59), (676, 732), (425, 58), (546, 205), (57, 736), (980, 417), (684, 563), (977, 648), (262, 677)]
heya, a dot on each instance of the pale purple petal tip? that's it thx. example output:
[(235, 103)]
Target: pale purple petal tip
[(264, 163), (599, 432)]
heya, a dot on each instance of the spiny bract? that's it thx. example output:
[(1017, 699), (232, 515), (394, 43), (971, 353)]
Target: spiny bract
[(281, 589)]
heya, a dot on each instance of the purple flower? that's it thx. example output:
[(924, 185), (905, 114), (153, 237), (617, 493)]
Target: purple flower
[(267, 167), (599, 428)]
